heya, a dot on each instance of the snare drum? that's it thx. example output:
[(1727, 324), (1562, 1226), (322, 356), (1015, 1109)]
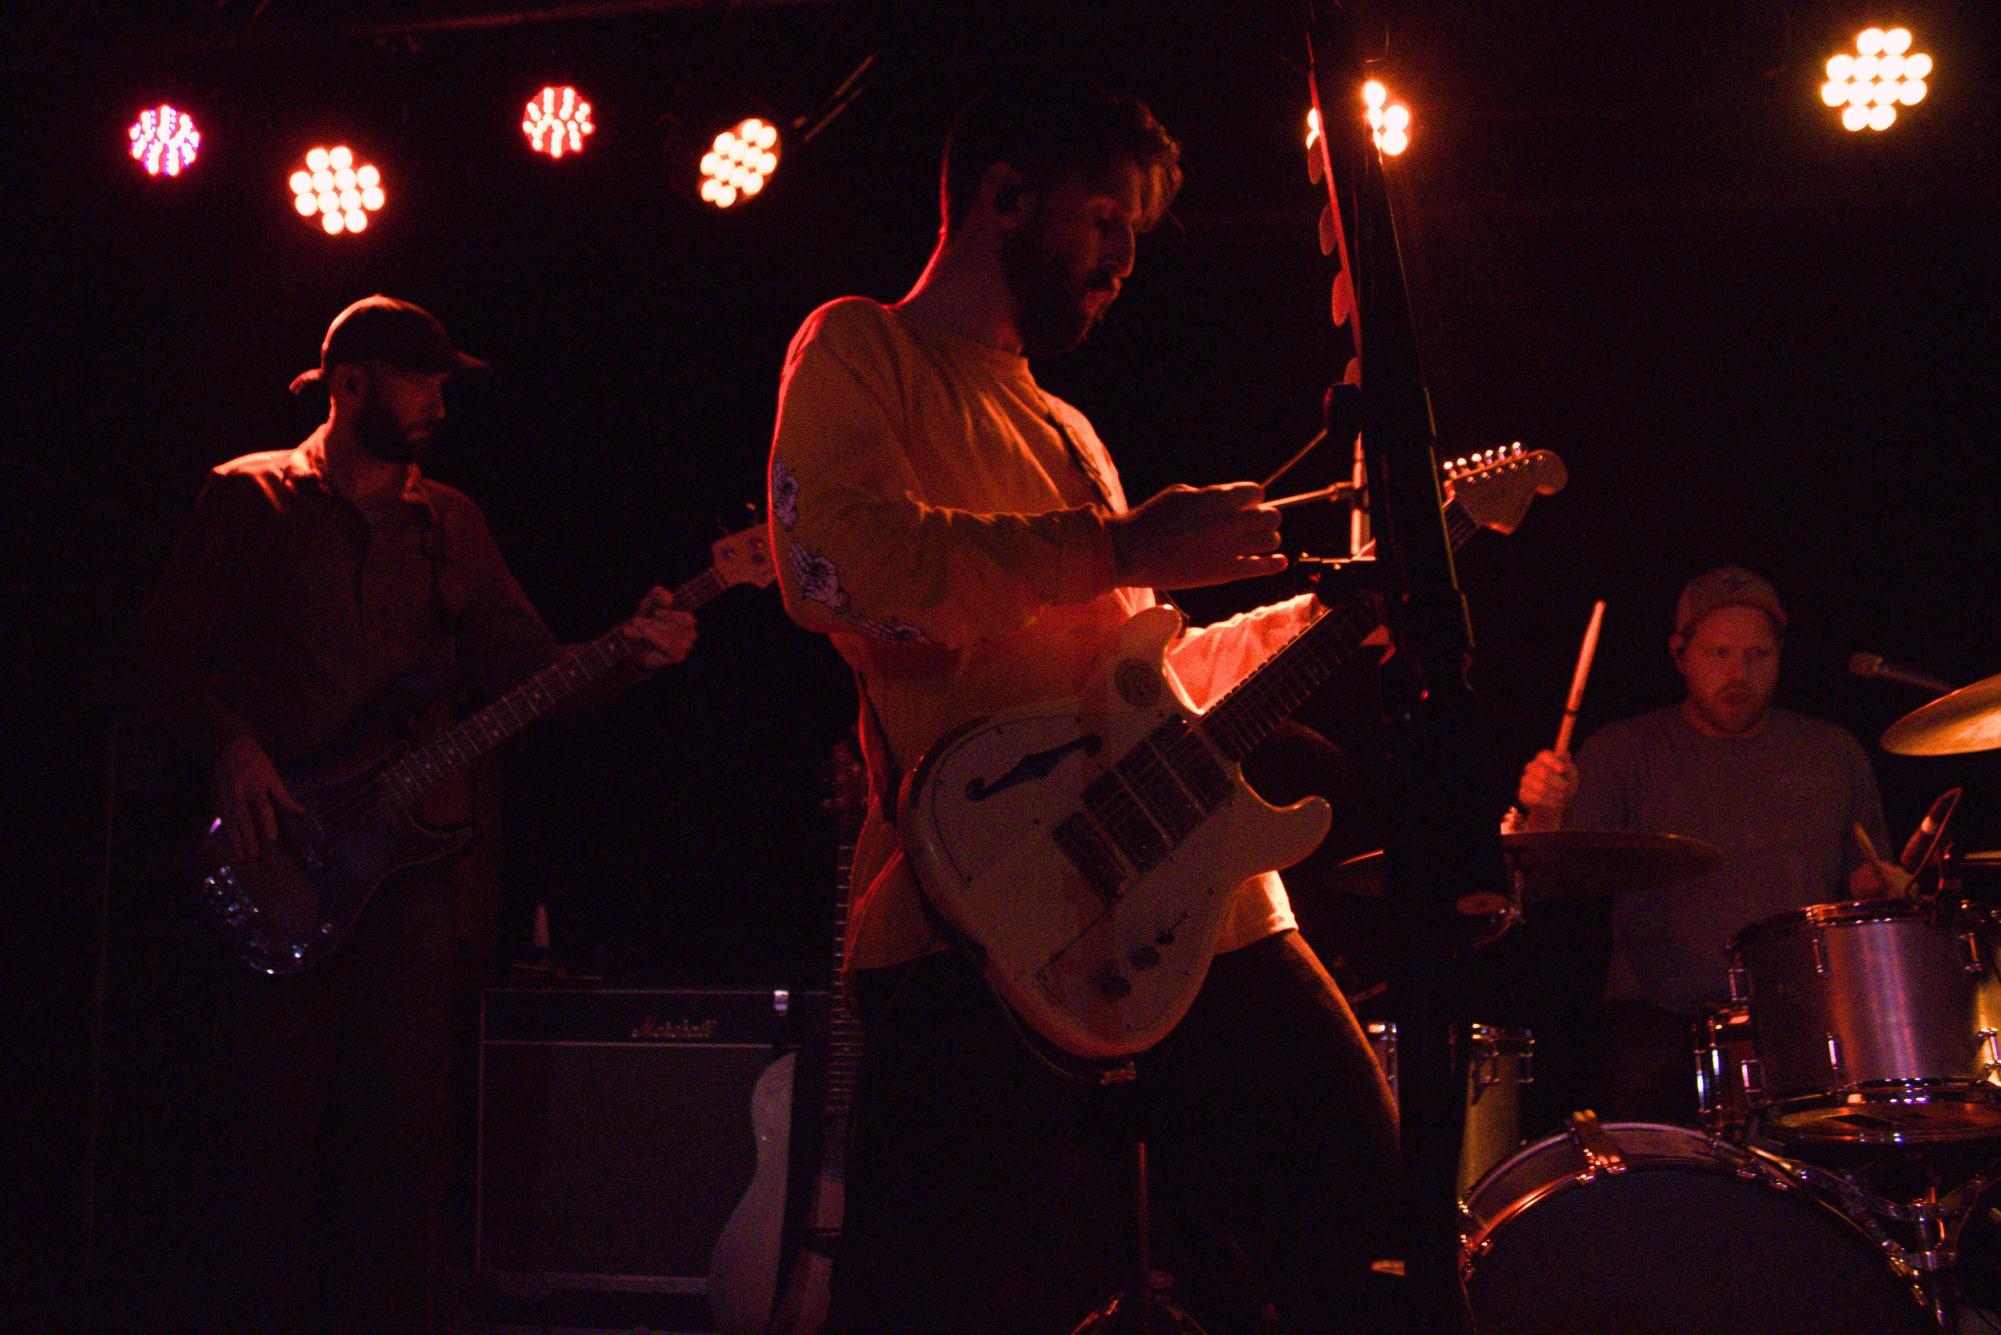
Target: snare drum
[(1499, 1064), (1635, 1228), (1875, 1021)]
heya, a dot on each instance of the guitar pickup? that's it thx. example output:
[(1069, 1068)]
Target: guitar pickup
[(1090, 855)]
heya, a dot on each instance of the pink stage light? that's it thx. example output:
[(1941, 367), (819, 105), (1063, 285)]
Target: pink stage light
[(164, 140), (556, 122)]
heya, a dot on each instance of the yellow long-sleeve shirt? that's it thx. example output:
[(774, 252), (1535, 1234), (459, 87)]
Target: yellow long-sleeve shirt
[(930, 517)]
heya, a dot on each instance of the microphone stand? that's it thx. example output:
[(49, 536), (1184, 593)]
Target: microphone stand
[(1444, 841)]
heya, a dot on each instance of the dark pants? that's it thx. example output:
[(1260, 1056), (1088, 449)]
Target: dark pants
[(1649, 1065), (317, 1190), (988, 1195)]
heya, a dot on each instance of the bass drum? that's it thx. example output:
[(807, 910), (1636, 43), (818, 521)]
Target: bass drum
[(1633, 1228)]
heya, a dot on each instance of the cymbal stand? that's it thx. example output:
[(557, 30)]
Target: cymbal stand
[(1932, 1224)]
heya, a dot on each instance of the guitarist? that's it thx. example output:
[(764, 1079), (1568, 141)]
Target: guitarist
[(309, 581), (961, 537)]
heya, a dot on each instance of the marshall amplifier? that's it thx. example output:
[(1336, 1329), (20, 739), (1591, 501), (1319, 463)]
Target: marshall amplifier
[(615, 1133)]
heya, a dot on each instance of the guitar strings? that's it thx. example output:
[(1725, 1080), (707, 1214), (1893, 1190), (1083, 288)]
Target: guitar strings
[(342, 817)]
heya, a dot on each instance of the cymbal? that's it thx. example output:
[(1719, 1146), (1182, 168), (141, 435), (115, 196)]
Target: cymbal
[(1568, 864), (1969, 719)]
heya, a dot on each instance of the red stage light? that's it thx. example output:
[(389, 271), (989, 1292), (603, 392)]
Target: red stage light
[(557, 121), (164, 140)]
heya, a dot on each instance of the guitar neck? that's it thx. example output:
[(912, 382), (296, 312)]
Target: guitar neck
[(1255, 707), (453, 751), (844, 1027)]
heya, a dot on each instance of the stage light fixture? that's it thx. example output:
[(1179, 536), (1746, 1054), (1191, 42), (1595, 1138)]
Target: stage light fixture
[(739, 162), (336, 190), (164, 140), (1880, 75), (1389, 122), (556, 121)]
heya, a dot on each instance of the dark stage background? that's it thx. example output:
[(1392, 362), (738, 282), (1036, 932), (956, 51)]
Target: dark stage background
[(1633, 234)]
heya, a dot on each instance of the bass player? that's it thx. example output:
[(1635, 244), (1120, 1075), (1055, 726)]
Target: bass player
[(308, 582)]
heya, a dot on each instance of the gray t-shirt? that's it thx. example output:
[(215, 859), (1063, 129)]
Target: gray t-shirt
[(1779, 804)]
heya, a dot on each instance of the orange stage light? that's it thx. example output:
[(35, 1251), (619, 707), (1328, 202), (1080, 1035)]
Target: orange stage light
[(334, 189)]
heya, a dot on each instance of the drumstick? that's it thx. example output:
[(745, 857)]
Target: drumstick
[(1333, 492), (1864, 842), (1578, 678)]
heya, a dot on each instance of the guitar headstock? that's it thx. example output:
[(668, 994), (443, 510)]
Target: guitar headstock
[(744, 557), (1495, 488)]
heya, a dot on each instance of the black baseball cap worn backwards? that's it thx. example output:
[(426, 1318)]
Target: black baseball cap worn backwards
[(380, 328)]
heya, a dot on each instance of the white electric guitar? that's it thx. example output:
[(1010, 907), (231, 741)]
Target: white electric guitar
[(1089, 847)]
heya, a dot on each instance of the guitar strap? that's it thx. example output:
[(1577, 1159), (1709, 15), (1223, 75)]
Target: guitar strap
[(1079, 459), (885, 777), (1095, 479)]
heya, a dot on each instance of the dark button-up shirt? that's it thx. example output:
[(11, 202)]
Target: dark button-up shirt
[(285, 610)]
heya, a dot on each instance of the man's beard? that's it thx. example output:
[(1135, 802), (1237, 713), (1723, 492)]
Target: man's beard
[(1050, 312), (375, 427)]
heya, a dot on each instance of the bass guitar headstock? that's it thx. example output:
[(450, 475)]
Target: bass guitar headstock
[(744, 557)]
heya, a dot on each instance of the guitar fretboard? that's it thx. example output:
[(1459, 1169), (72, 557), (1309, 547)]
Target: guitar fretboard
[(1135, 813), (549, 690), (844, 1027), (1251, 712)]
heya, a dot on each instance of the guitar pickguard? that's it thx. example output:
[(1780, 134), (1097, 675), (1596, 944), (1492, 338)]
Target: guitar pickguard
[(1102, 969)]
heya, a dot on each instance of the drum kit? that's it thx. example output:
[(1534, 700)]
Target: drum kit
[(1846, 1174)]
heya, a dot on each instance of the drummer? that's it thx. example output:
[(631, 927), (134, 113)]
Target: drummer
[(1778, 792)]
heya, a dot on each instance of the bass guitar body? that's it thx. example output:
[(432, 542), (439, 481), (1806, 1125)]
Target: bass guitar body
[(1090, 847), (292, 904)]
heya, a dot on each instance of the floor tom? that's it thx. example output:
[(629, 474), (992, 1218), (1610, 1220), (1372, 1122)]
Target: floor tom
[(1875, 1021)]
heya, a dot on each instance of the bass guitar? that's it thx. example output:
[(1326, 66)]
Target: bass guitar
[(1088, 848), (292, 905)]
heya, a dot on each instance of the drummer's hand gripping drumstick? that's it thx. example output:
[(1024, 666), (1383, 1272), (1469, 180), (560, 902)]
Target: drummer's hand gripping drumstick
[(1513, 820), (1585, 653)]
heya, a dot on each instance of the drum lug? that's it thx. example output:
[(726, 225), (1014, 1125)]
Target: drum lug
[(1740, 983), (1969, 946), (1752, 1072), (1601, 1153), (1992, 1039), (1834, 1062), (1820, 965)]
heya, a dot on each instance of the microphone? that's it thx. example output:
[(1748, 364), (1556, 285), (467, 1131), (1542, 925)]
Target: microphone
[(1876, 667)]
